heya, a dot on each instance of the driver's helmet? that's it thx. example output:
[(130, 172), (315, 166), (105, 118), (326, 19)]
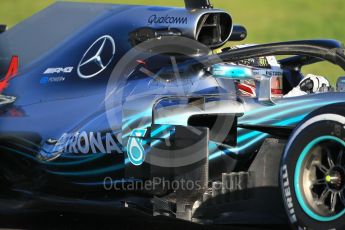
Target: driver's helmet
[(248, 73)]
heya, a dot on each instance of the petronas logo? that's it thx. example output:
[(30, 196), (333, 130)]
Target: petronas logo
[(135, 148)]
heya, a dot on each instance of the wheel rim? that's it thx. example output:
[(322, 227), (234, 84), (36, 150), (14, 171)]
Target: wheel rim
[(320, 178)]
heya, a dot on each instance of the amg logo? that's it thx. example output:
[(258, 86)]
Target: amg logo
[(58, 70), (85, 143), (154, 19), (287, 193)]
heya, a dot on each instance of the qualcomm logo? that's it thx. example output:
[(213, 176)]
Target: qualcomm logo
[(97, 58), (135, 149), (154, 19)]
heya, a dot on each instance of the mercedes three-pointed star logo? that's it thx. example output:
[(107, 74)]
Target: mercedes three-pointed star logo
[(97, 58)]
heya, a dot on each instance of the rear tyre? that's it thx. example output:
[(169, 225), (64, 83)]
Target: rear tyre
[(312, 175)]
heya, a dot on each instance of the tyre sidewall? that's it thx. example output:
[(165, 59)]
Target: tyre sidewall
[(301, 138)]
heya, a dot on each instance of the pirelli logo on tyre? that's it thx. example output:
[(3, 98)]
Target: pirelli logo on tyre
[(287, 194)]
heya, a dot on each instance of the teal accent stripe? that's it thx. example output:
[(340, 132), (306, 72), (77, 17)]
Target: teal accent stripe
[(290, 111), (247, 136), (162, 128), (290, 121), (69, 163), (91, 172)]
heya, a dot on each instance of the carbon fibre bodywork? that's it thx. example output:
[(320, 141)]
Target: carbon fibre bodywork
[(60, 137)]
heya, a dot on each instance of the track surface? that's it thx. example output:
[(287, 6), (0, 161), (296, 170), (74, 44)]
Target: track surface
[(87, 221)]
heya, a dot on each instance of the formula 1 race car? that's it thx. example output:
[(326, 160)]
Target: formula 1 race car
[(128, 107)]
